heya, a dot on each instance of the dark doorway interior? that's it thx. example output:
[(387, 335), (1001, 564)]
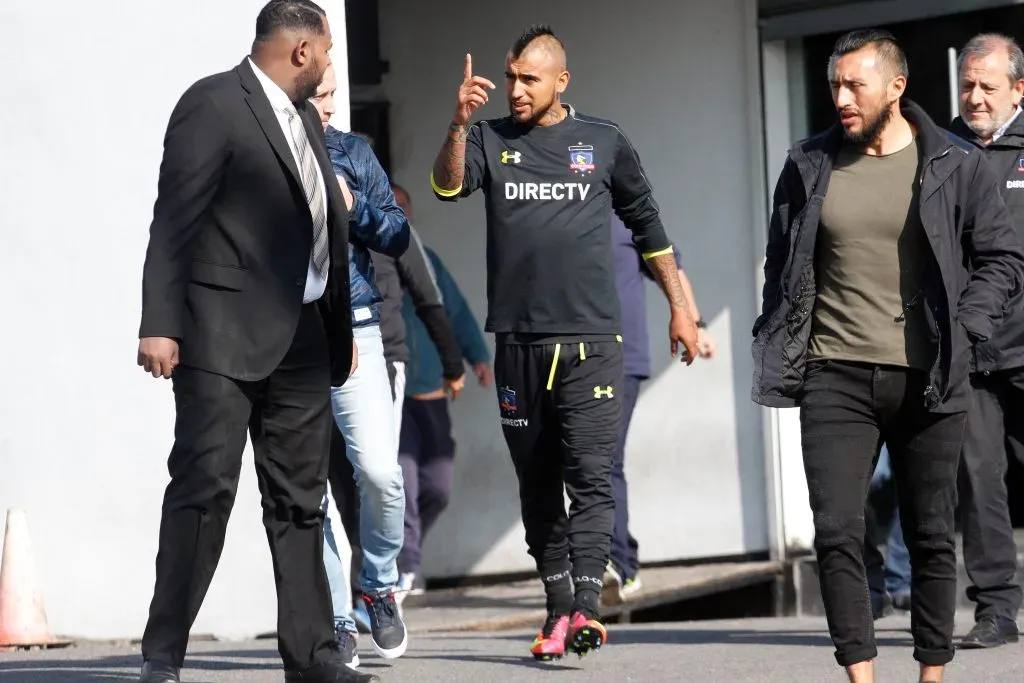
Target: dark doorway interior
[(368, 108), (926, 43), (371, 119)]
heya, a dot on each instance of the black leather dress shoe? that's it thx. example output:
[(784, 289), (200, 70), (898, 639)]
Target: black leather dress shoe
[(332, 671), (158, 672), (990, 632)]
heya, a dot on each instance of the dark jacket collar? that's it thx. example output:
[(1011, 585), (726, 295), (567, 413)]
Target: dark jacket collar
[(1013, 137), (251, 82), (247, 76), (934, 140)]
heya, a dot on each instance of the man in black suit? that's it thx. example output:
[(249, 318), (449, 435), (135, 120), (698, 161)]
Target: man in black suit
[(245, 307)]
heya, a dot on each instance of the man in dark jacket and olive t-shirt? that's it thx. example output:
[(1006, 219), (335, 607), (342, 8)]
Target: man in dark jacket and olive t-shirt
[(992, 83), (890, 253)]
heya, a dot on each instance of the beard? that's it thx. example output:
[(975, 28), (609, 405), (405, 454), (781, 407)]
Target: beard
[(539, 110), (873, 127), (308, 81), (987, 130)]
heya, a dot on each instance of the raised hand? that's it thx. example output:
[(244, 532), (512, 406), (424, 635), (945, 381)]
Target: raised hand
[(472, 94)]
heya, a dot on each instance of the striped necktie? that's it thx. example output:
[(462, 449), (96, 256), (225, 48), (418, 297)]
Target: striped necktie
[(314, 195)]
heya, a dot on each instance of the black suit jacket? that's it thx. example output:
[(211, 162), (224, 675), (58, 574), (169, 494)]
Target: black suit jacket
[(231, 236)]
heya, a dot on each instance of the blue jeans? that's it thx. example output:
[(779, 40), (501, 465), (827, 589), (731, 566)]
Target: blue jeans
[(364, 412), (894, 576), (336, 567)]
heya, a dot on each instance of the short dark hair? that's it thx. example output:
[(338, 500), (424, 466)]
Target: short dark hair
[(889, 51), (531, 34), (298, 15)]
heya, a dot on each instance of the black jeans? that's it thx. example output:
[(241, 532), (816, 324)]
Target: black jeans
[(560, 416), (993, 427), (847, 411)]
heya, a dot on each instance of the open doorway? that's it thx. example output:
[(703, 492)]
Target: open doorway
[(368, 107), (926, 43)]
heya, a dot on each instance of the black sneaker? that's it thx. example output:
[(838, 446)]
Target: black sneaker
[(990, 632), (387, 630), (901, 601), (347, 643)]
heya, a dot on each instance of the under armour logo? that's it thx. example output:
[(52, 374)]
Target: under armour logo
[(507, 156), (603, 392)]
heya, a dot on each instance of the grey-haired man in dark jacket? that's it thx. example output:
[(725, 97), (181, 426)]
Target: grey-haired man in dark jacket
[(991, 71)]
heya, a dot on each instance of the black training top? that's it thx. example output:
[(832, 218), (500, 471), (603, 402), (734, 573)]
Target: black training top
[(549, 193)]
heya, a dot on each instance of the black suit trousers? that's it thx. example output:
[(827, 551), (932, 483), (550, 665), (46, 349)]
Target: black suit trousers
[(289, 420)]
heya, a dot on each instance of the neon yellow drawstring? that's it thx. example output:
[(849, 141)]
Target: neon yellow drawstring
[(554, 365)]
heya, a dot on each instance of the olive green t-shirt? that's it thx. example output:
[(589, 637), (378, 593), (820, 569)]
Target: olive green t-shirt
[(871, 256)]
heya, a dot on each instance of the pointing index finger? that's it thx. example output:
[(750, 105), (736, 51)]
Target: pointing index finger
[(482, 82), (468, 72)]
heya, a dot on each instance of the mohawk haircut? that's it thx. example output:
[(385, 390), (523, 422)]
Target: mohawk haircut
[(531, 34)]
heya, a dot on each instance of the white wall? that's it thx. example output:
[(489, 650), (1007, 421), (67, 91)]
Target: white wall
[(84, 433), (681, 79), (781, 82)]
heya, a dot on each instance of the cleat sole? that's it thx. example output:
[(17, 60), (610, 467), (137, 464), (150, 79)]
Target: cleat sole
[(546, 657), (588, 639)]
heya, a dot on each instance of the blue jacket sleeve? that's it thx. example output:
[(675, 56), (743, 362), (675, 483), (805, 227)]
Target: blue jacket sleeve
[(467, 330), (375, 221)]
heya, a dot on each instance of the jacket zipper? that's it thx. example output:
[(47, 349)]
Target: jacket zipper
[(930, 161)]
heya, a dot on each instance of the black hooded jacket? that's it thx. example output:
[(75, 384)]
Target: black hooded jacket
[(976, 270), (1005, 350)]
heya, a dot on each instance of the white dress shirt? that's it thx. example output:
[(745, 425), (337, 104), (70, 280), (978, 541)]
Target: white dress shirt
[(1002, 129), (315, 284)]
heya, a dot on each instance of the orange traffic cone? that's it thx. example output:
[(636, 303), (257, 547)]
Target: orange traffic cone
[(22, 616)]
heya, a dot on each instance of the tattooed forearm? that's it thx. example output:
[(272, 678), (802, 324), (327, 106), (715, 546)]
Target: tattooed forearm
[(458, 132), (450, 164), (664, 269), (691, 300)]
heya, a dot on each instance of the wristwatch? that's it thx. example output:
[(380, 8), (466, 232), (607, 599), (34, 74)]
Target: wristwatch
[(701, 325)]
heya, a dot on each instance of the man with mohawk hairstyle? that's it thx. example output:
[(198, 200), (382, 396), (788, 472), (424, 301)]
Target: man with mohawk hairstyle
[(551, 177)]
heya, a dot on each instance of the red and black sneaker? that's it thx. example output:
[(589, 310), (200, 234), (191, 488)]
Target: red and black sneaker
[(549, 644), (586, 634)]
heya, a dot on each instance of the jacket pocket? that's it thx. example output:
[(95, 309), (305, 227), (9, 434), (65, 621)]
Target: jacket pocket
[(217, 275)]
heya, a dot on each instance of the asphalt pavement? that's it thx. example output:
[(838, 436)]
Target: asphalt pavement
[(795, 650)]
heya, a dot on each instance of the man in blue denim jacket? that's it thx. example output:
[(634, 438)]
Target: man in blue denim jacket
[(363, 407)]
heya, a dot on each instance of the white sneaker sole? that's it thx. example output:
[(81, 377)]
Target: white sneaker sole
[(393, 653), (611, 593)]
